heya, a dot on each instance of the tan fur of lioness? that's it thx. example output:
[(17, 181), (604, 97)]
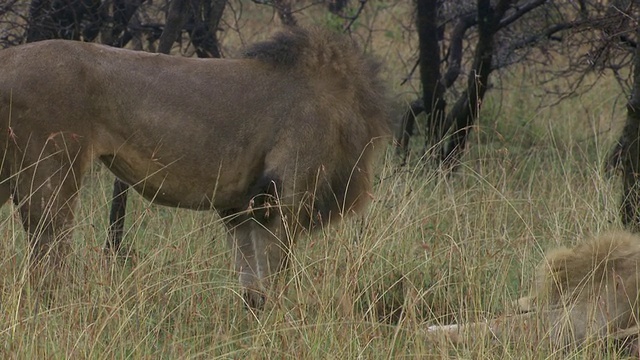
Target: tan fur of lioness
[(580, 294), (293, 123)]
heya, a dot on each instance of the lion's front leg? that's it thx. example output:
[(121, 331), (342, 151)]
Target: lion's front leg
[(259, 256), (240, 241), (272, 248)]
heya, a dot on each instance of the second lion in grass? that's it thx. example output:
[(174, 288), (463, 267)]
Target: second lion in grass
[(581, 294)]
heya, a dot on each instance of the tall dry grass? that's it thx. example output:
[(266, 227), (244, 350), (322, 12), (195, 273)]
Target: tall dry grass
[(429, 249)]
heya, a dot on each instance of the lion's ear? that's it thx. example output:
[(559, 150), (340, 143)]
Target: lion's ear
[(526, 304)]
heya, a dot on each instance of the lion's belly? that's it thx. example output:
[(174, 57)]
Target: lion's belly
[(178, 185)]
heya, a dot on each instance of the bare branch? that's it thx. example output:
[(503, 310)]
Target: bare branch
[(353, 18), (455, 49), (7, 7), (283, 8), (406, 129), (520, 12)]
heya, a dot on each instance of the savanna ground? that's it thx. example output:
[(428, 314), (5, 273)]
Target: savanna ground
[(429, 249)]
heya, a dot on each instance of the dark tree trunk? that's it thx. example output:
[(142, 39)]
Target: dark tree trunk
[(176, 18), (40, 22), (204, 21), (446, 132), (630, 144), (123, 11), (432, 89), (49, 19), (466, 110)]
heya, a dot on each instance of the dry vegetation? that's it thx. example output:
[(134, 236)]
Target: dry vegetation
[(429, 250)]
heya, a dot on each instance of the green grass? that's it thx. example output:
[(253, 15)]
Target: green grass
[(429, 249)]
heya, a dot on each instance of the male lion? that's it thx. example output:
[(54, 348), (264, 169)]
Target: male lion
[(278, 142), (585, 293)]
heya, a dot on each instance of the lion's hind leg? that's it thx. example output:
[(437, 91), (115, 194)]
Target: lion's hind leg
[(45, 192)]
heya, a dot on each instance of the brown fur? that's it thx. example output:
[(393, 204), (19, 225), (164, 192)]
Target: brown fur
[(293, 124), (587, 292)]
